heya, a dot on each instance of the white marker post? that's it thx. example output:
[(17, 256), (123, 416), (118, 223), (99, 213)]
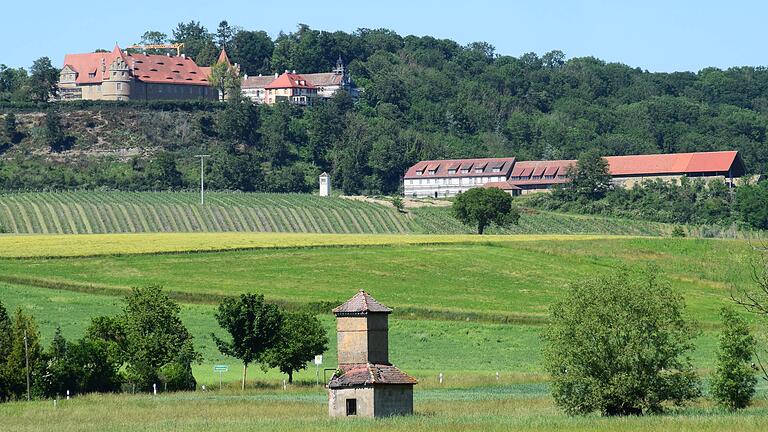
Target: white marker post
[(318, 362), (67, 394), (285, 386), (154, 389), (440, 377)]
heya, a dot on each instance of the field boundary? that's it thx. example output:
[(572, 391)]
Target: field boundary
[(324, 307)]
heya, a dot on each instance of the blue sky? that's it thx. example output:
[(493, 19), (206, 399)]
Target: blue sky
[(655, 35)]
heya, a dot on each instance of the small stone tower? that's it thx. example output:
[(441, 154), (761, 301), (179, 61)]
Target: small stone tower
[(117, 83), (325, 185), (366, 383)]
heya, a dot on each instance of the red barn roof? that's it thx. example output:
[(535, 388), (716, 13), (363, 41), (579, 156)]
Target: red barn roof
[(677, 163), (150, 68), (290, 80), (504, 165), (715, 163)]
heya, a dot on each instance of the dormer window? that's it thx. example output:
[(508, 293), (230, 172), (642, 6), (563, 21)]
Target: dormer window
[(465, 170), (420, 172), (497, 170), (478, 170), (452, 171), (432, 172)]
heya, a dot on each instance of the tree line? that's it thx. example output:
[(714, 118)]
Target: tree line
[(148, 347), (427, 98)]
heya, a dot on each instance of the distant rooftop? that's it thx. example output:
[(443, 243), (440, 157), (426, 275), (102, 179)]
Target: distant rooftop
[(361, 304)]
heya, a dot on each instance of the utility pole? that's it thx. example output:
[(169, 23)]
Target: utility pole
[(26, 355), (202, 176)]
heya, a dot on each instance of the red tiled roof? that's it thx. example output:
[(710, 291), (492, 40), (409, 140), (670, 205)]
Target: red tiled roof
[(290, 80), (676, 163), (655, 164), (150, 68), (504, 164), (503, 185), (364, 374), (538, 168), (361, 303)]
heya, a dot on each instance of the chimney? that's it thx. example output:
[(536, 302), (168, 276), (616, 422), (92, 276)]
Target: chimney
[(275, 75), (184, 56)]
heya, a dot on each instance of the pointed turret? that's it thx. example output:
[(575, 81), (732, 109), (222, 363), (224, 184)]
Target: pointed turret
[(223, 57)]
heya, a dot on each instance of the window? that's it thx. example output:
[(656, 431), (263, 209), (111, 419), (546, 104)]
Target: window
[(432, 171), (451, 171), (465, 170), (119, 86), (351, 407), (497, 170), (419, 172), (478, 170)]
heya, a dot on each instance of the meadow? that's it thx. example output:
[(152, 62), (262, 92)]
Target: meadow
[(465, 306), (487, 408)]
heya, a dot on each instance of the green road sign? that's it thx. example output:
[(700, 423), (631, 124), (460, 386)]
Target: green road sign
[(221, 368)]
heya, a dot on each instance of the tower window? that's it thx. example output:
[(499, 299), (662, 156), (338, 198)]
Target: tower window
[(351, 407)]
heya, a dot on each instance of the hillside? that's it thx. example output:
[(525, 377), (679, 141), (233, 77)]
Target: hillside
[(125, 212), (423, 98)]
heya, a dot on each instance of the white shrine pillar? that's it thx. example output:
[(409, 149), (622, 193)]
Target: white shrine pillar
[(325, 185)]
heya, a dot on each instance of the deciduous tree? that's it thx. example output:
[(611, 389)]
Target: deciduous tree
[(619, 344), (43, 80), (733, 383), (482, 207), (155, 336), (253, 326), (302, 336)]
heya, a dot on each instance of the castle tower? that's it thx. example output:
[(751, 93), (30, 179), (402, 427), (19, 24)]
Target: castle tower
[(366, 383), (117, 83)]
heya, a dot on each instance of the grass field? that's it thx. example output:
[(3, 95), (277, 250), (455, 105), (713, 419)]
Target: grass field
[(487, 408), (90, 212), (465, 306)]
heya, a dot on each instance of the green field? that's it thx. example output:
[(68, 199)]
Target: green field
[(130, 212), (467, 308)]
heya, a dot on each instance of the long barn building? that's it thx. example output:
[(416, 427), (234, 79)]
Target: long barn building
[(446, 178)]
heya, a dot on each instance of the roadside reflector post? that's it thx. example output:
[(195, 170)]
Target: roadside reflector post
[(440, 377), (285, 387), (67, 394), (154, 389)]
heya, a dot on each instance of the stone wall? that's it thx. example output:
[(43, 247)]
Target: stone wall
[(362, 339), (337, 401), (392, 400)]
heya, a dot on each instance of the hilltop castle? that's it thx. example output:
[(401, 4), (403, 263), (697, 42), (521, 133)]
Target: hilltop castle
[(122, 76)]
